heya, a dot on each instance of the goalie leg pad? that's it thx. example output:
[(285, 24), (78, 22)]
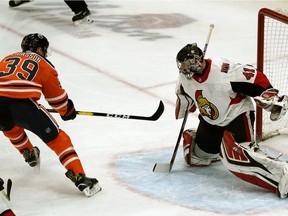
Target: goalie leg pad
[(190, 156), (254, 167)]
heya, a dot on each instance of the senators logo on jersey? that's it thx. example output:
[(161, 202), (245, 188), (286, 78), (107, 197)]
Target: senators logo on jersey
[(206, 108)]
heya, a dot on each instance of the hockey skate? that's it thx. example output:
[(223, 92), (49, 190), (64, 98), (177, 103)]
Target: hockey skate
[(188, 150), (15, 3), (89, 186), (82, 17), (32, 157)]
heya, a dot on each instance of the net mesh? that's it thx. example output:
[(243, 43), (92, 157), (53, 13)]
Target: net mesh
[(275, 66)]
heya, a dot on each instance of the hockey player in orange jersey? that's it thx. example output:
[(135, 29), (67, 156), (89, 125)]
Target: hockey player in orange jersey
[(24, 77)]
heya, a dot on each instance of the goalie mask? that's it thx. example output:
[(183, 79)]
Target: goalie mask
[(189, 60), (32, 42)]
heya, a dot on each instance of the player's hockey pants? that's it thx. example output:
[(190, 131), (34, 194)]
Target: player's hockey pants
[(209, 137), (27, 114)]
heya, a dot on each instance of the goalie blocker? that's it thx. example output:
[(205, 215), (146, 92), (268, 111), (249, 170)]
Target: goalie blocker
[(254, 167)]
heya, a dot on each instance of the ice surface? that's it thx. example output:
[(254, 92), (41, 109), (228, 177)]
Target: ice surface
[(125, 63)]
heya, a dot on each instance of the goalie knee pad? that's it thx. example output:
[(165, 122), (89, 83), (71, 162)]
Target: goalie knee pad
[(190, 157)]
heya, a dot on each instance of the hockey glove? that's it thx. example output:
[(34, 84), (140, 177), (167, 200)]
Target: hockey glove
[(271, 102), (71, 112)]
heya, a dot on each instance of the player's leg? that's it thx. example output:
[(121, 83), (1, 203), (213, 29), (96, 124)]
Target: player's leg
[(63, 147), (241, 158), (16, 134), (254, 167), (21, 142), (202, 147), (82, 13), (35, 118)]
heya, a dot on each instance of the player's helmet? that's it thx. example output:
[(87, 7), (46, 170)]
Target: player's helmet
[(189, 60), (33, 41)]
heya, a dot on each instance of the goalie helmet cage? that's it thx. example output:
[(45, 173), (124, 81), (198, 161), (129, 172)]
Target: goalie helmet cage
[(272, 59)]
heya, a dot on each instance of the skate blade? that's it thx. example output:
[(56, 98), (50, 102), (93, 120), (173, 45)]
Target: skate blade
[(92, 191)]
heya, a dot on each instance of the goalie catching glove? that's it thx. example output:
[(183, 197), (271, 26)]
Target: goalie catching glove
[(271, 102)]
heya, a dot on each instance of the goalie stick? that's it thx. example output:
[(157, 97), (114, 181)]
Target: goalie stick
[(154, 117), (167, 167)]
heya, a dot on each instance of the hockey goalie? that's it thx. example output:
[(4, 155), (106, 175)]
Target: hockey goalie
[(223, 93)]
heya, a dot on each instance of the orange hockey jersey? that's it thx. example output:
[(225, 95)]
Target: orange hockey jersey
[(28, 75)]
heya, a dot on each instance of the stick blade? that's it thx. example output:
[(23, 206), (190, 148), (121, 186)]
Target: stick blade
[(158, 112), (162, 168)]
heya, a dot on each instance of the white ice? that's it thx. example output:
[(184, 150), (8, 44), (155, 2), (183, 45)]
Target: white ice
[(125, 63)]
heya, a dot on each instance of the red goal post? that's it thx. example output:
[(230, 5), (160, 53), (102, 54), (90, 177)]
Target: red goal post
[(272, 59)]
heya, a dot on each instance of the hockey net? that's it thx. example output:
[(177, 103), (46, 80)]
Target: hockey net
[(272, 59)]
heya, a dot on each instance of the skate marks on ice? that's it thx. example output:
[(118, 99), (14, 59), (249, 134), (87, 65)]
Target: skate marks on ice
[(144, 26), (212, 189)]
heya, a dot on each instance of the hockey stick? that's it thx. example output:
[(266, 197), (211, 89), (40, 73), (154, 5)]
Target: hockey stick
[(166, 167), (154, 117), (208, 39)]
